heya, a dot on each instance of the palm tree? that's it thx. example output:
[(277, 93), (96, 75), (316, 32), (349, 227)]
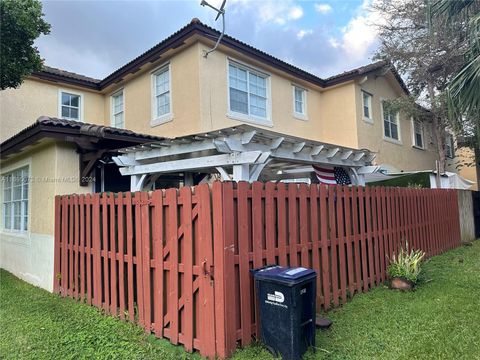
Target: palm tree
[(464, 89)]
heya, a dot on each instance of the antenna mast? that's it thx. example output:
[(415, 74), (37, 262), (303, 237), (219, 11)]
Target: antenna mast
[(221, 12)]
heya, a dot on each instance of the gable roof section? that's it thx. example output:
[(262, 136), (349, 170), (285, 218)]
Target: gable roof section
[(195, 27), (67, 130)]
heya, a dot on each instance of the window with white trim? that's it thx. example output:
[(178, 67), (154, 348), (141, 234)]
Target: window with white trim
[(390, 123), (449, 150), (118, 119), (418, 134), (247, 91), (70, 106), (15, 200), (161, 96), (299, 101), (367, 106)]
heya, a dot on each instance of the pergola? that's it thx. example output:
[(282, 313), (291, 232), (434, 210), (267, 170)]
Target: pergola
[(237, 153)]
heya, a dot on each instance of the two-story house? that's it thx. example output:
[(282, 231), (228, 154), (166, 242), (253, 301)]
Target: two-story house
[(174, 90)]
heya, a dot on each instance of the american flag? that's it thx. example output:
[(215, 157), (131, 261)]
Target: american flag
[(332, 175)]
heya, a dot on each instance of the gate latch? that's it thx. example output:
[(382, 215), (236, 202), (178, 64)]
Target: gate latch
[(207, 270)]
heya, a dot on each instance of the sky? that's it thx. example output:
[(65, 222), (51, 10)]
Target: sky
[(95, 38)]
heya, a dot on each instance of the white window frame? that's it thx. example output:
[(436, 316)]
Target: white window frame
[(158, 120), (370, 107), (387, 138), (449, 139), (112, 107), (414, 138), (267, 121), (24, 211), (80, 107), (303, 115)]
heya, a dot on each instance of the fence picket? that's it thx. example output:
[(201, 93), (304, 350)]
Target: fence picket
[(129, 239), (244, 265), (157, 239), (81, 244), (121, 256), (112, 255), (341, 244), (333, 242), (187, 255), (172, 233), (324, 246)]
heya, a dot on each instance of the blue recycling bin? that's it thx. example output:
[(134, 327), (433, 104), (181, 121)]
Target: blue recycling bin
[(286, 309)]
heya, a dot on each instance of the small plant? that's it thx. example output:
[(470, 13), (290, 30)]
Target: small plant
[(406, 265)]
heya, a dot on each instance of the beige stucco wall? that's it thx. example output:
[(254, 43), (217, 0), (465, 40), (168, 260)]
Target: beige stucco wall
[(330, 114), (184, 91), (53, 169), (20, 107), (401, 155)]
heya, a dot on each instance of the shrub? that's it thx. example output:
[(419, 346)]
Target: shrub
[(406, 264)]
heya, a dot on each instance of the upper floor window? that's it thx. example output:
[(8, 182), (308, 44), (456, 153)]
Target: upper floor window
[(299, 101), (418, 134), (390, 123), (449, 150), (161, 94), (118, 119), (248, 91), (70, 106), (367, 106), (15, 200)]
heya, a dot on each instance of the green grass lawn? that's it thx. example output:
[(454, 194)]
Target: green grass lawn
[(440, 320), (35, 324)]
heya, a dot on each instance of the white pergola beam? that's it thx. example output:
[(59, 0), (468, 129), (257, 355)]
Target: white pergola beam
[(359, 156), (284, 153), (176, 149), (346, 154), (248, 136), (331, 153), (317, 149), (193, 164), (275, 144), (298, 147)]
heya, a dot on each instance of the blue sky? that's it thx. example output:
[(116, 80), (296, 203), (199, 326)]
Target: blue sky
[(95, 38)]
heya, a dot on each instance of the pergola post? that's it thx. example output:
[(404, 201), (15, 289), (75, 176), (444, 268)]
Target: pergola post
[(241, 172), (136, 182)]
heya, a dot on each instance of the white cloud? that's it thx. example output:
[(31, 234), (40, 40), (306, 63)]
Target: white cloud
[(268, 11), (334, 42), (323, 8), (295, 12), (360, 33), (302, 33)]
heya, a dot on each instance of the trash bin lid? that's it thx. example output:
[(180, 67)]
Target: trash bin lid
[(284, 275)]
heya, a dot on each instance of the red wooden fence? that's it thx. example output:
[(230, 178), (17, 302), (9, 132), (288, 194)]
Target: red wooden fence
[(178, 261)]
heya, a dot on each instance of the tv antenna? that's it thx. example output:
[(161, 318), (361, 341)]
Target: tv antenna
[(220, 12)]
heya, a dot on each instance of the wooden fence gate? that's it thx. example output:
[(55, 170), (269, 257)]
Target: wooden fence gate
[(145, 257), (177, 261)]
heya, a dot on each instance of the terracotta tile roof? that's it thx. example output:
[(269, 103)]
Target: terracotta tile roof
[(66, 130), (90, 129), (68, 74), (195, 27)]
